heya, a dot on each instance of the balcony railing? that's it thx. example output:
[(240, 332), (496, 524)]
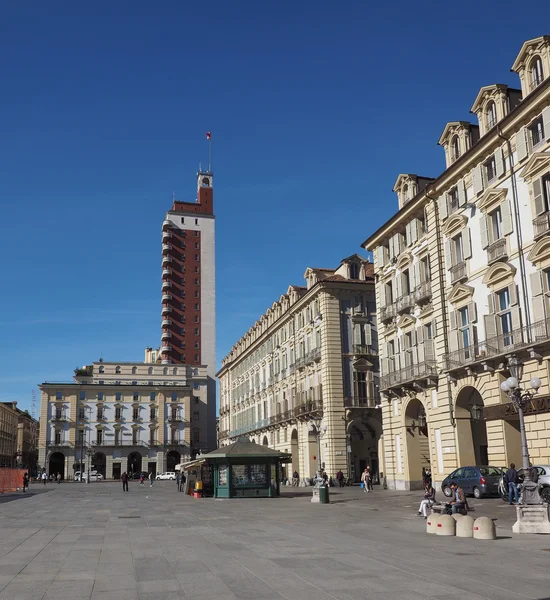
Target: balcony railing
[(60, 444), (360, 402), (59, 419), (421, 370), (175, 418), (534, 83), (405, 303), (388, 312), (541, 225), (423, 292), (497, 251), (364, 350), (517, 339), (458, 272), (111, 443)]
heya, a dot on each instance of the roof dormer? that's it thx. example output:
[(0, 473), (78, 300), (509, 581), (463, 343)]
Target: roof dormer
[(408, 186), (493, 103), (533, 63), (457, 138)]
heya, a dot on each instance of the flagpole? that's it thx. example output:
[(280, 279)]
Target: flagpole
[(210, 155)]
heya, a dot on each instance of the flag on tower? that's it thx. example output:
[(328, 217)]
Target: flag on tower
[(208, 136)]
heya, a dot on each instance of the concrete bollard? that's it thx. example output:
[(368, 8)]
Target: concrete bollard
[(457, 516), (446, 525), (465, 527), (431, 523), (484, 529)]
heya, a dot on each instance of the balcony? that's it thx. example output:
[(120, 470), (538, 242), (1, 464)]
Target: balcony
[(166, 260), (541, 225), (405, 303), (458, 272), (423, 292), (166, 235), (117, 443), (535, 83), (422, 371), (364, 350), (166, 248), (497, 251), (166, 223), (313, 356), (166, 310), (175, 419), (388, 312), (166, 272), (360, 402), (166, 285), (495, 347), (60, 444), (165, 348), (59, 419), (166, 297), (300, 363), (166, 322)]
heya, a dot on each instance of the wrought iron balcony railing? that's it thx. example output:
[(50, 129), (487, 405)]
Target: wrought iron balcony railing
[(458, 272), (423, 370), (541, 225), (497, 251)]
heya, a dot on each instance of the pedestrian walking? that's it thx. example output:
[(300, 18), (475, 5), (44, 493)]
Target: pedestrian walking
[(58, 478), (178, 479), (25, 482), (365, 476), (124, 478), (44, 478), (369, 480), (141, 479), (183, 479), (340, 478), (511, 478), (295, 478), (151, 479)]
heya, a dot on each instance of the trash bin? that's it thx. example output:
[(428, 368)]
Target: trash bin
[(323, 494)]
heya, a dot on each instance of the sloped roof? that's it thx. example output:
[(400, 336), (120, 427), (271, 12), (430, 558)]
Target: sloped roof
[(243, 448)]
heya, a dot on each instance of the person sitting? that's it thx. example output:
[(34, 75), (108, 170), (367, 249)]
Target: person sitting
[(459, 498), (429, 499)]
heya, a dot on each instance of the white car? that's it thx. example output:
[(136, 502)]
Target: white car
[(94, 476), (168, 475), (544, 483)]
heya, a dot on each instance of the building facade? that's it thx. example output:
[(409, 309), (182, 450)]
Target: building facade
[(188, 315), (463, 284), (304, 378), (117, 417), (8, 434)]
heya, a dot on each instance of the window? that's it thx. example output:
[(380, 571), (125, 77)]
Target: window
[(455, 148), (59, 395), (182, 319), (118, 413), (196, 318), (82, 396), (81, 413), (408, 349), (136, 397), (196, 399), (135, 436), (196, 435), (491, 114), (183, 220), (196, 386), (464, 327), (391, 356), (197, 307), (58, 438), (406, 282), (134, 370), (134, 382), (182, 281), (196, 331), (174, 396), (536, 132), (58, 413), (490, 167), (118, 396), (196, 221), (458, 249), (537, 74), (197, 269), (196, 257), (182, 357), (495, 219), (196, 345), (453, 199), (150, 371), (196, 245), (197, 358), (100, 396), (153, 396), (354, 271), (182, 306), (117, 437), (101, 382), (117, 370), (541, 194), (389, 293), (99, 413), (153, 414), (196, 234), (99, 438), (81, 436), (197, 294), (196, 281), (505, 314), (101, 369), (135, 414), (182, 330), (182, 256), (425, 274), (196, 415)]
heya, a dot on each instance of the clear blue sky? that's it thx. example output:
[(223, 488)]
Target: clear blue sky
[(314, 108)]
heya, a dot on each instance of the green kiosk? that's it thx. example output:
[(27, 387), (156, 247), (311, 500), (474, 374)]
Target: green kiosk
[(246, 469)]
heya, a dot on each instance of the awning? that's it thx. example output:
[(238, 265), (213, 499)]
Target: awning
[(192, 464)]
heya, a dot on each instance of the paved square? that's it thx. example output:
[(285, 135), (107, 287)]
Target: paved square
[(94, 541)]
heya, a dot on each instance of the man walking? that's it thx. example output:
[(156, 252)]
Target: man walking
[(365, 480), (178, 479), (44, 478), (182, 482), (25, 482), (151, 479), (511, 478), (340, 478), (58, 478), (124, 478)]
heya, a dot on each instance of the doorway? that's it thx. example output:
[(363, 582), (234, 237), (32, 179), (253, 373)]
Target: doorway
[(117, 467), (473, 446), (134, 464), (57, 464)]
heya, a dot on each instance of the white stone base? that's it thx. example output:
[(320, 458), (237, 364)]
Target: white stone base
[(315, 497), (532, 518)]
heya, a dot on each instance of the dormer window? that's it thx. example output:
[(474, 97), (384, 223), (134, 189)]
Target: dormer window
[(353, 271), (537, 74), (455, 148), (491, 113), (406, 197), (102, 369)]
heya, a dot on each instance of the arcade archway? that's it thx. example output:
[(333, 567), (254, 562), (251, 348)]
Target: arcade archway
[(417, 443), (295, 451), (173, 458), (99, 463), (364, 435), (134, 463), (471, 433), (265, 441), (57, 464)]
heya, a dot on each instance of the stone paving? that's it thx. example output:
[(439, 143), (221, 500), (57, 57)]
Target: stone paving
[(93, 541)]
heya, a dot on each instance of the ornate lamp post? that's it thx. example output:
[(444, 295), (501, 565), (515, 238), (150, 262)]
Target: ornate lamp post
[(521, 398), (89, 453), (314, 426)]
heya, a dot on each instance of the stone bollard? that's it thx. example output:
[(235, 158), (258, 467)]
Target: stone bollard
[(446, 525), (457, 516), (431, 523), (484, 529), (465, 527)]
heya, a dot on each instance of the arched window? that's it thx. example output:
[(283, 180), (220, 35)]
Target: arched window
[(134, 370), (536, 73), (353, 271), (102, 369), (117, 370), (150, 371), (175, 371), (455, 148), (165, 371), (195, 371), (491, 113)]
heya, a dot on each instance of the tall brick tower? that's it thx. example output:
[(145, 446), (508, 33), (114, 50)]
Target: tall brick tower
[(188, 287)]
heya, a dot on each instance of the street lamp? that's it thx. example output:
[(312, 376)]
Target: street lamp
[(89, 453), (314, 426), (521, 398), (89, 449), (476, 411)]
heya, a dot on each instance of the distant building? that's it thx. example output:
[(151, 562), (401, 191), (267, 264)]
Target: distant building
[(9, 419)]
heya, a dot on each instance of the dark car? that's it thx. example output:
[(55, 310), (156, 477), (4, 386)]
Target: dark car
[(475, 481)]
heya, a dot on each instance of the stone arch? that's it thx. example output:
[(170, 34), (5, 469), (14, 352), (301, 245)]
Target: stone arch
[(540, 252), (498, 274), (416, 442), (265, 441), (134, 463), (173, 458), (56, 464), (295, 450), (471, 434), (363, 437), (99, 463)]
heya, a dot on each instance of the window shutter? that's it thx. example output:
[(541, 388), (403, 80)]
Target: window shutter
[(507, 226), (391, 250), (477, 180), (513, 294), (414, 230), (420, 353), (546, 122), (368, 334), (539, 300), (472, 312), (538, 197), (491, 305), (499, 162), (516, 318), (448, 254), (384, 365), (408, 234), (357, 334), (417, 274), (443, 212), (483, 231), (420, 335), (382, 293), (429, 351), (490, 326), (461, 193), (521, 144), (536, 284), (453, 341), (453, 319), (466, 245), (398, 287)]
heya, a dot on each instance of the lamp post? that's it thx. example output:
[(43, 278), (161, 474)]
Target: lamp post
[(89, 454), (89, 449), (521, 398), (315, 426)]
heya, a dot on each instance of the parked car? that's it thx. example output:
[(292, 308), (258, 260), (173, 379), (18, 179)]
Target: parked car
[(544, 482), (168, 475), (94, 476), (475, 481)]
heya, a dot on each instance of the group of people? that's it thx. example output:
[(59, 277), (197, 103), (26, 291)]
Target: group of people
[(43, 478), (180, 480), (457, 503), (366, 480)]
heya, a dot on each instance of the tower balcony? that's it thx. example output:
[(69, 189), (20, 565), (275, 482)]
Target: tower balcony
[(166, 248), (166, 235), (166, 310), (166, 322), (165, 335), (166, 297), (166, 223), (166, 260), (166, 285), (166, 272), (165, 348)]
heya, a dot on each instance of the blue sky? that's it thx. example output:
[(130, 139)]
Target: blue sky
[(314, 108)]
